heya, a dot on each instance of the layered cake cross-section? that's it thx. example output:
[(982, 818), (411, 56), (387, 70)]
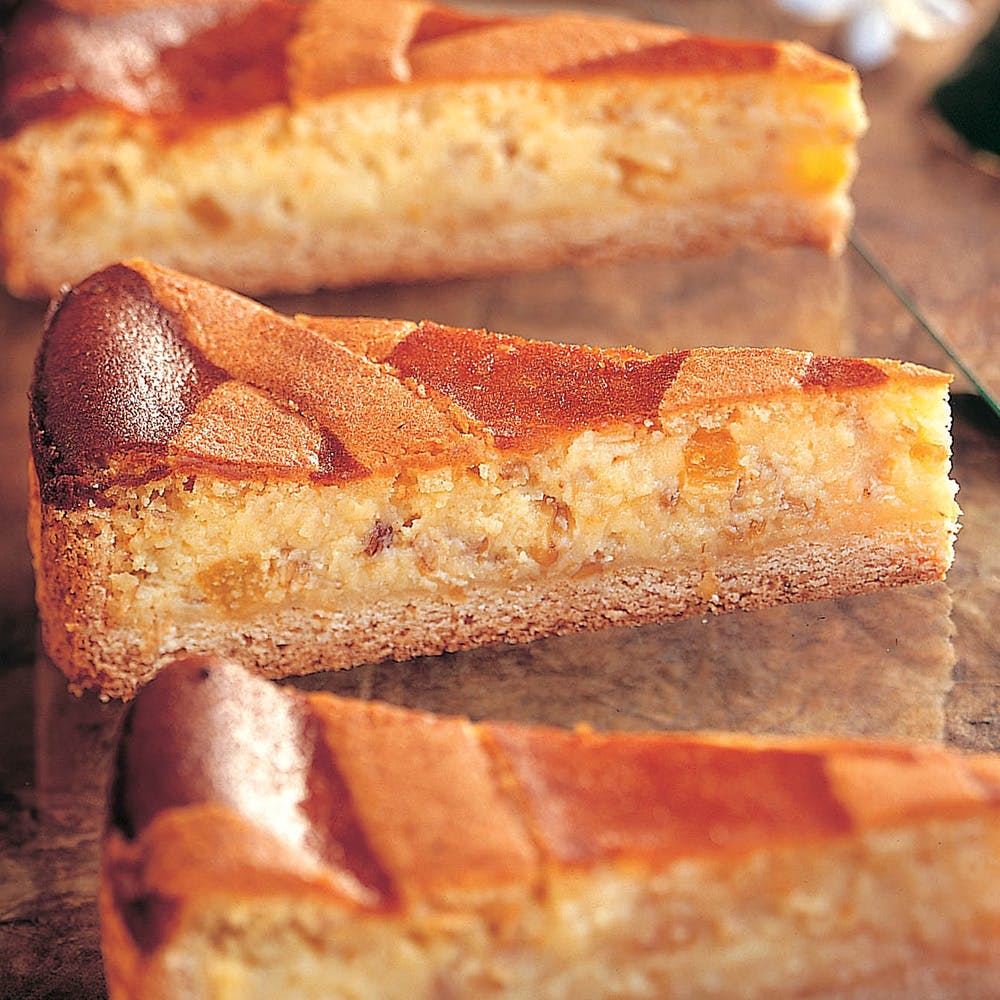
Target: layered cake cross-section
[(389, 140), (313, 493), (267, 844)]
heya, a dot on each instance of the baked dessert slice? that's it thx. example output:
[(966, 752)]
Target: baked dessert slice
[(265, 844), (398, 140), (314, 493)]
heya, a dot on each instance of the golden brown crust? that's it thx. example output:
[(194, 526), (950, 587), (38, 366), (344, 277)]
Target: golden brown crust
[(394, 765), (108, 8), (182, 375), (183, 64), (216, 60), (462, 818)]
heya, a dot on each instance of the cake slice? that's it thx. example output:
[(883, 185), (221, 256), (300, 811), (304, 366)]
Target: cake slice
[(397, 140), (266, 844), (313, 493)]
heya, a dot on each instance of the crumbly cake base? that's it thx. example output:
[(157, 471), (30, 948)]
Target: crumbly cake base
[(118, 659)]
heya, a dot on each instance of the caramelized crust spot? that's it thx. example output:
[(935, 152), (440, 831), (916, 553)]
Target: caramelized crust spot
[(591, 797), (841, 373), (335, 825), (189, 63), (524, 391), (440, 22), (336, 463), (149, 916), (200, 735), (116, 375), (685, 55)]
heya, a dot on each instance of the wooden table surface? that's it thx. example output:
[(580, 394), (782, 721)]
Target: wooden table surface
[(921, 662)]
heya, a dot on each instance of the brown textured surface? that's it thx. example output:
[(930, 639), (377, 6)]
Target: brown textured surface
[(522, 390), (197, 61), (588, 795), (390, 763), (203, 740), (840, 373), (200, 62), (591, 797), (112, 380), (445, 807), (143, 370)]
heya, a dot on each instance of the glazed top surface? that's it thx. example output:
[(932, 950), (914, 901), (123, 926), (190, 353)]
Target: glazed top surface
[(144, 373), (188, 63), (384, 807)]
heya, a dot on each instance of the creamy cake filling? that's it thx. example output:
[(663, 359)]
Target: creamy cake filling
[(372, 166), (698, 929), (753, 479)]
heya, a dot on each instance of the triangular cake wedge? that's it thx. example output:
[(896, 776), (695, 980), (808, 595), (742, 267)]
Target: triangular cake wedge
[(376, 140), (312, 493), (264, 843)]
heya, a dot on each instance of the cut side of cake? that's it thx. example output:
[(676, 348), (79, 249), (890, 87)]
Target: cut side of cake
[(315, 493), (395, 141), (267, 844)]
